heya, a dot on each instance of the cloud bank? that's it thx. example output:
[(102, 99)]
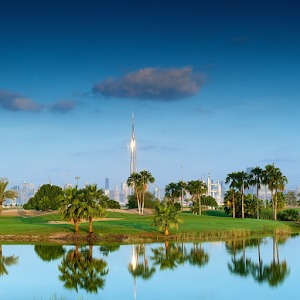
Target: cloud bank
[(155, 84), (62, 106), (15, 102)]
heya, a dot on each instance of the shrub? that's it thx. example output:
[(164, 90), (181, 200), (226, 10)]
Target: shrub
[(288, 215), (266, 214)]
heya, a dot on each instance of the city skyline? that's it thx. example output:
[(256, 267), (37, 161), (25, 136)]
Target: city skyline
[(213, 88)]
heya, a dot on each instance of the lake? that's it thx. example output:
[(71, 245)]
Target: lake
[(265, 268)]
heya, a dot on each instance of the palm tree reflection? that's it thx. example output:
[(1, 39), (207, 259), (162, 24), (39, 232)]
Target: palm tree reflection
[(6, 261), (273, 273), (49, 252), (80, 270)]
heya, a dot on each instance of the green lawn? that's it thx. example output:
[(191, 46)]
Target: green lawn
[(212, 224)]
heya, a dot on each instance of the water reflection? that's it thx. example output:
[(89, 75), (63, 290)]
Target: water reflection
[(6, 261), (78, 269), (49, 252), (273, 273)]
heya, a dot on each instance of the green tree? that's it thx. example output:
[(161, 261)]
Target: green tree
[(6, 194), (165, 216), (291, 198), (150, 201), (91, 198), (276, 181), (209, 201), (46, 198), (72, 207), (197, 189), (134, 181), (242, 184), (173, 192), (232, 180), (255, 179), (146, 178)]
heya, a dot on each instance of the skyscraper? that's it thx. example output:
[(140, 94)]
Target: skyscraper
[(107, 183), (133, 167)]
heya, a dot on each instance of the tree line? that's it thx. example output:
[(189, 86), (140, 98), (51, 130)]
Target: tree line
[(271, 176)]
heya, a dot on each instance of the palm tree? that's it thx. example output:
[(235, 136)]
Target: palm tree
[(72, 207), (242, 183), (9, 194), (276, 182), (197, 188), (165, 216), (91, 197), (173, 191), (256, 180), (233, 180), (134, 181), (146, 178)]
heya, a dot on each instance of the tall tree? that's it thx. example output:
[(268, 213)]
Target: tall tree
[(91, 198), (72, 207), (9, 194), (197, 189), (242, 183), (276, 181), (232, 180), (134, 181), (256, 180), (173, 192), (146, 178)]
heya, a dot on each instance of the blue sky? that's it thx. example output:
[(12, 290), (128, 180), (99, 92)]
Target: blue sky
[(214, 87)]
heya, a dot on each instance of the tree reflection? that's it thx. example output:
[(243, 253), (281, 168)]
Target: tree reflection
[(137, 268), (106, 249), (273, 273), (6, 261), (242, 265), (169, 257), (49, 252), (80, 270), (198, 257)]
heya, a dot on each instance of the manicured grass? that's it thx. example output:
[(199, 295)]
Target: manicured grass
[(211, 224)]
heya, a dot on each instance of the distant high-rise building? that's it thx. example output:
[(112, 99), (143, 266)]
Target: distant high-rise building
[(133, 166), (116, 193), (124, 193), (18, 190), (31, 190), (214, 189), (107, 183), (24, 193)]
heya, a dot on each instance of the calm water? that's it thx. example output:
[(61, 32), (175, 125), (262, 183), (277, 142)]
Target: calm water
[(266, 268)]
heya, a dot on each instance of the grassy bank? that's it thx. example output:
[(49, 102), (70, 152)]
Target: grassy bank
[(124, 227)]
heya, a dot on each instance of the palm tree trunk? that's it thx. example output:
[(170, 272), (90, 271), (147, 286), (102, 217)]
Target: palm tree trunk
[(200, 205), (243, 211), (90, 225), (166, 230), (138, 201), (90, 252), (275, 206), (233, 205), (143, 203), (257, 204), (76, 223)]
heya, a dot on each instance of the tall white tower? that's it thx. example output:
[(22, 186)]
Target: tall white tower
[(133, 167)]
